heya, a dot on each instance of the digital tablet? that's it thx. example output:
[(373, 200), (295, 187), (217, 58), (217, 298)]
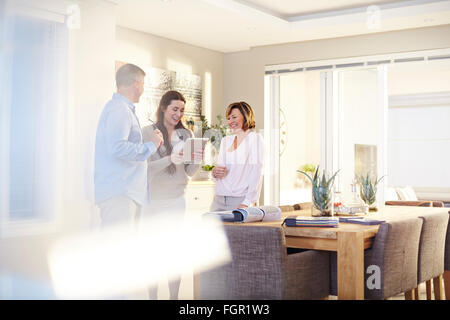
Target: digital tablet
[(191, 146)]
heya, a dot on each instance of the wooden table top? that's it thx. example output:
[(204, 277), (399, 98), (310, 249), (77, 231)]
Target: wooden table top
[(387, 213)]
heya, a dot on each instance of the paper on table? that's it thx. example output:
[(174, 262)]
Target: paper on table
[(271, 213)]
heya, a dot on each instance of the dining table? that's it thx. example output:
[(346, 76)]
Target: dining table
[(348, 240)]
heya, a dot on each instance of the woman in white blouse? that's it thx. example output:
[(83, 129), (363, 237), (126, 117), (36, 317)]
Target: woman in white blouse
[(239, 169)]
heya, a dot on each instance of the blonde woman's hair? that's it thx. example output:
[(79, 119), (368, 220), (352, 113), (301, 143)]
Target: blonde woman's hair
[(246, 110)]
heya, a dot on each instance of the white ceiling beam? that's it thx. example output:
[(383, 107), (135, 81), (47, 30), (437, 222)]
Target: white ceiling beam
[(244, 8), (362, 9), (362, 15)]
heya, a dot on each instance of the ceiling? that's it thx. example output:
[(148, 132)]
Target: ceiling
[(291, 8), (237, 25)]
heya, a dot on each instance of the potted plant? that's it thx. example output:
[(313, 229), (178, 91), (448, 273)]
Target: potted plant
[(215, 132), (300, 180), (208, 168), (322, 189), (308, 168), (368, 190)]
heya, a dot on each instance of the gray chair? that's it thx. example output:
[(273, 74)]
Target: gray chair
[(303, 205), (394, 255), (261, 269), (447, 264), (418, 203), (431, 253)]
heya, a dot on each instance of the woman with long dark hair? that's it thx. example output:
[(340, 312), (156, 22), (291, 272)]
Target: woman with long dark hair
[(167, 173)]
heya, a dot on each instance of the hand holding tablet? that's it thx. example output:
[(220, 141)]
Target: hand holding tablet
[(193, 150)]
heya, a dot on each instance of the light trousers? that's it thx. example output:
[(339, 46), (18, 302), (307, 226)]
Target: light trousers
[(117, 210), (226, 203)]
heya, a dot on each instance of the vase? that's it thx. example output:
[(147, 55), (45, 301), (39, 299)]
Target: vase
[(373, 207), (371, 201), (202, 175), (322, 203)]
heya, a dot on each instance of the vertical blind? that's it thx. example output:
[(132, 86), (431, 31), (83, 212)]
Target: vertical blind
[(36, 100), (419, 144)]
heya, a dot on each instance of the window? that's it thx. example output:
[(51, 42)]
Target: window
[(419, 144), (32, 113), (418, 132)]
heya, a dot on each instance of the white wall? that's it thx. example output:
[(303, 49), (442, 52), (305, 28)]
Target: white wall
[(244, 71), (148, 50), (91, 85), (419, 77)]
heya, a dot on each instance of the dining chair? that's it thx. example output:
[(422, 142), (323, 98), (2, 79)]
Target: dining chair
[(286, 208), (431, 254), (447, 264), (420, 203), (391, 263), (406, 196), (261, 268), (302, 205)]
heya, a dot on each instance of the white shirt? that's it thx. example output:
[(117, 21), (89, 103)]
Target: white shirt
[(244, 168)]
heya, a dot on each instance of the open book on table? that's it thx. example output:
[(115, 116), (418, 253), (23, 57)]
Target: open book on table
[(249, 214)]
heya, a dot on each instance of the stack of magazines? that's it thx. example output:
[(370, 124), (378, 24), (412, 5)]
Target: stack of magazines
[(300, 221), (250, 214), (361, 220)]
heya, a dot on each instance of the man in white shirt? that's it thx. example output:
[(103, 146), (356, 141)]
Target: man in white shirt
[(120, 155)]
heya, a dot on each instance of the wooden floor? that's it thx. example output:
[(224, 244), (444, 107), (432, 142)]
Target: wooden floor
[(422, 293)]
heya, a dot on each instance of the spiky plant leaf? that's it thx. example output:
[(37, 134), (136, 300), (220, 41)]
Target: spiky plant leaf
[(316, 174), (307, 175), (368, 188)]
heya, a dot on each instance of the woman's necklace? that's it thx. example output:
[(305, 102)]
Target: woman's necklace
[(239, 138)]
